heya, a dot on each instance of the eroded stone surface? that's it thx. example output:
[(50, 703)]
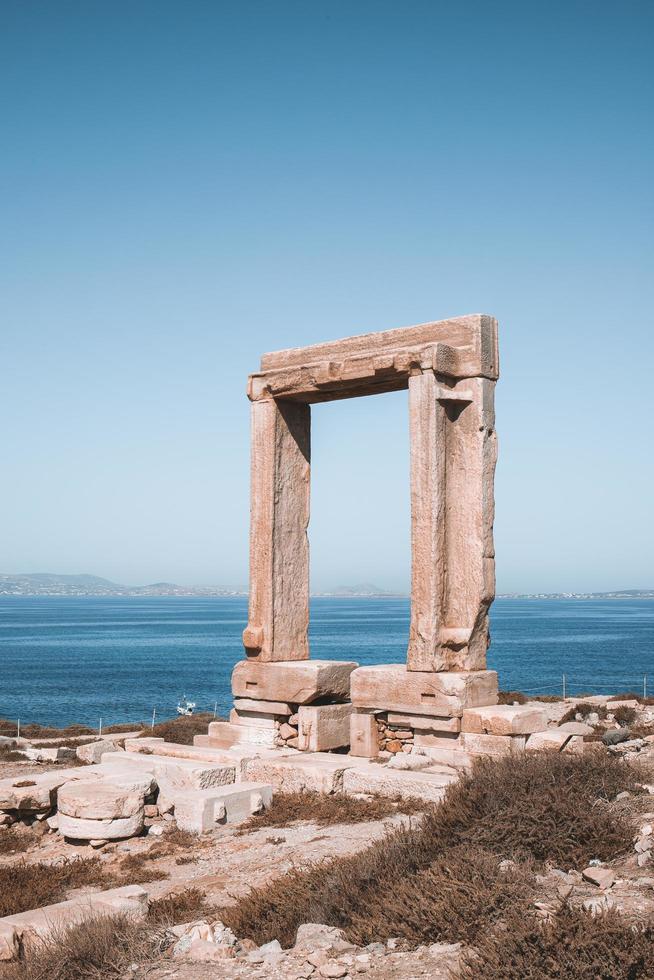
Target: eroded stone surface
[(323, 727), (299, 683), (98, 801), (504, 719), (394, 687)]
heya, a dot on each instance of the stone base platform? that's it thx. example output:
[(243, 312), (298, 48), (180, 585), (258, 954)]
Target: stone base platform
[(293, 681), (391, 687)]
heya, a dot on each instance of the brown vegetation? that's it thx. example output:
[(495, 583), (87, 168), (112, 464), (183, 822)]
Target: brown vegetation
[(584, 709), (512, 697), (287, 808), (573, 944), (11, 755), (181, 730), (547, 808), (625, 716), (179, 907), (16, 840), (29, 886), (100, 949)]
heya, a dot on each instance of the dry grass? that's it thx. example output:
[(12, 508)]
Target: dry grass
[(181, 730), (510, 697), (16, 841), (100, 949), (104, 948), (288, 808), (548, 808), (179, 907), (573, 945), (29, 886), (584, 710), (11, 755), (625, 716), (43, 731)]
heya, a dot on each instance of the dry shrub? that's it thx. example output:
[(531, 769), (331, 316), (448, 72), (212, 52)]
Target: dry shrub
[(15, 841), (180, 907), (287, 808), (134, 870), (462, 892), (572, 945), (511, 697), (100, 949), (181, 730), (532, 808), (624, 715), (177, 839), (584, 709), (42, 731), (30, 886), (11, 755)]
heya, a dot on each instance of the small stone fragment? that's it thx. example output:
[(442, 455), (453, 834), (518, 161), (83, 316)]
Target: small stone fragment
[(602, 877)]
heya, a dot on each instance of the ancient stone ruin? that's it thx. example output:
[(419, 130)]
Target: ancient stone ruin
[(281, 697)]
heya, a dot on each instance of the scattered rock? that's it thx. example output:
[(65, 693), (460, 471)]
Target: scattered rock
[(602, 877), (614, 738), (333, 970)]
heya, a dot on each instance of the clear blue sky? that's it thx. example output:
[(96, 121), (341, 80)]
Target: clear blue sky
[(187, 184)]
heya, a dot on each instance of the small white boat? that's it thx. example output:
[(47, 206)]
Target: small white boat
[(185, 707)]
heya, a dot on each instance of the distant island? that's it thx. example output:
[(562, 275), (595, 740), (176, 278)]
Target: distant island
[(50, 584), (47, 584)]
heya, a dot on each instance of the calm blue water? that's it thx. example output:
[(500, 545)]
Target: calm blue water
[(64, 660)]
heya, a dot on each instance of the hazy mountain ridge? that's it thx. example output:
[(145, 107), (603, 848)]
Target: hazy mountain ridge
[(52, 584), (49, 584)]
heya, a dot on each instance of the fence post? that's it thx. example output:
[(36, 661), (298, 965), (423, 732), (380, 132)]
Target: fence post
[(644, 685), (564, 687), (100, 727), (18, 728), (154, 712), (215, 709)]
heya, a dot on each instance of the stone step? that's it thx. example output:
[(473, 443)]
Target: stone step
[(172, 773), (200, 811), (385, 781)]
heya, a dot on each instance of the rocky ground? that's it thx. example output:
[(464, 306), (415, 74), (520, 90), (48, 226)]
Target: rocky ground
[(225, 864)]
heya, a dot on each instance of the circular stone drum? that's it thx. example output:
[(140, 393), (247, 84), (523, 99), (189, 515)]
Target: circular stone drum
[(99, 811)]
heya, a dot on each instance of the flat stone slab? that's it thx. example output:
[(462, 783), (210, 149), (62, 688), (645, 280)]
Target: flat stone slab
[(98, 800), (23, 929), (202, 810), (228, 734), (173, 750), (424, 723), (36, 793), (271, 707), (504, 719), (295, 682), (394, 688), (320, 772), (386, 781), (171, 773)]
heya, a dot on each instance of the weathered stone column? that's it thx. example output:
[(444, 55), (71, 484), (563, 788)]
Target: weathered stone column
[(278, 618), (453, 453)]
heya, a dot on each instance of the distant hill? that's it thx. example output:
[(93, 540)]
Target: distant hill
[(49, 584), (617, 594), (345, 591)]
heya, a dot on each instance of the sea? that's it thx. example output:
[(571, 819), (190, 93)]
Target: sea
[(114, 660)]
